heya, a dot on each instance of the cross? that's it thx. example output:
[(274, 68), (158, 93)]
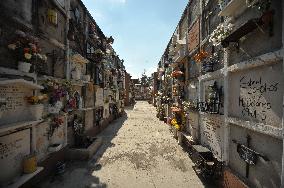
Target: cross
[(248, 155), (247, 164)]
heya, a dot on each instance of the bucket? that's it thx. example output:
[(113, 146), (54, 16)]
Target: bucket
[(29, 164), (24, 67)]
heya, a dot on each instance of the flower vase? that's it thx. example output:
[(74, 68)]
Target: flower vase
[(36, 111), (24, 67)]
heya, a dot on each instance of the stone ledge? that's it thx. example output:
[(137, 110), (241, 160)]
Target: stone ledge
[(84, 153), (258, 127), (262, 60)]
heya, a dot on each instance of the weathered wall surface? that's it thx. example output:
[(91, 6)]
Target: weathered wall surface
[(16, 108), (99, 97), (13, 148), (89, 96), (257, 95), (258, 42), (264, 173), (43, 140), (89, 120), (211, 132), (193, 125), (20, 10)]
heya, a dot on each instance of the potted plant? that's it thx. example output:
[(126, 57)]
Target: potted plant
[(36, 108)]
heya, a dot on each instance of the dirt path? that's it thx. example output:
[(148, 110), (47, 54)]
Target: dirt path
[(138, 152)]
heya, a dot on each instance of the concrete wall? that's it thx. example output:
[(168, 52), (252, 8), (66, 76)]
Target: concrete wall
[(19, 10), (13, 148), (211, 133), (256, 95), (99, 97), (43, 142), (17, 108), (264, 173)]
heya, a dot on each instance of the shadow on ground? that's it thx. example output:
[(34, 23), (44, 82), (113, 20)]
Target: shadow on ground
[(108, 134), (79, 174), (207, 182)]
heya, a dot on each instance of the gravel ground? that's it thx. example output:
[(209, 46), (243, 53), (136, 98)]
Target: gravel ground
[(138, 151)]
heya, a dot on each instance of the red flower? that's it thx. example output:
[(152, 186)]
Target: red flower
[(26, 50)]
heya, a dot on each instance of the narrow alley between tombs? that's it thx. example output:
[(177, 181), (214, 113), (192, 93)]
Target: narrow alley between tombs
[(141, 94), (138, 151)]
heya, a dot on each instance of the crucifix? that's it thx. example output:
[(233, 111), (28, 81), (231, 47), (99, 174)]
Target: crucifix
[(248, 155)]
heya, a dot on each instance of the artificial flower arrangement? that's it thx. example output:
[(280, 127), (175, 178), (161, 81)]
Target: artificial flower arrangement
[(188, 105), (57, 92), (175, 90), (55, 123), (179, 120), (201, 55), (27, 51), (220, 33), (33, 100), (166, 99), (176, 73), (161, 112)]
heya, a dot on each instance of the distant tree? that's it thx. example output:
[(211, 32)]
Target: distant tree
[(145, 80)]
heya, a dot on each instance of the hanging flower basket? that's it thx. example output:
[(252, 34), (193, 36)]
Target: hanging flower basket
[(176, 74), (200, 56)]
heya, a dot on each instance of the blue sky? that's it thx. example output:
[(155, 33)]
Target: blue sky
[(141, 28)]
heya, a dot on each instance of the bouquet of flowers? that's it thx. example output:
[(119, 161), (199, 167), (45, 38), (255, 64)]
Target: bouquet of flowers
[(27, 48)]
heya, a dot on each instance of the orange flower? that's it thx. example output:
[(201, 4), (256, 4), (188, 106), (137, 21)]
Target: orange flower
[(200, 56)]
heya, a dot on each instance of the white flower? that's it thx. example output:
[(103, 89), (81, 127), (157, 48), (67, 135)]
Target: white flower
[(12, 46)]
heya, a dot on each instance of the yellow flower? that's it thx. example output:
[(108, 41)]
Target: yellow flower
[(28, 56), (177, 127)]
